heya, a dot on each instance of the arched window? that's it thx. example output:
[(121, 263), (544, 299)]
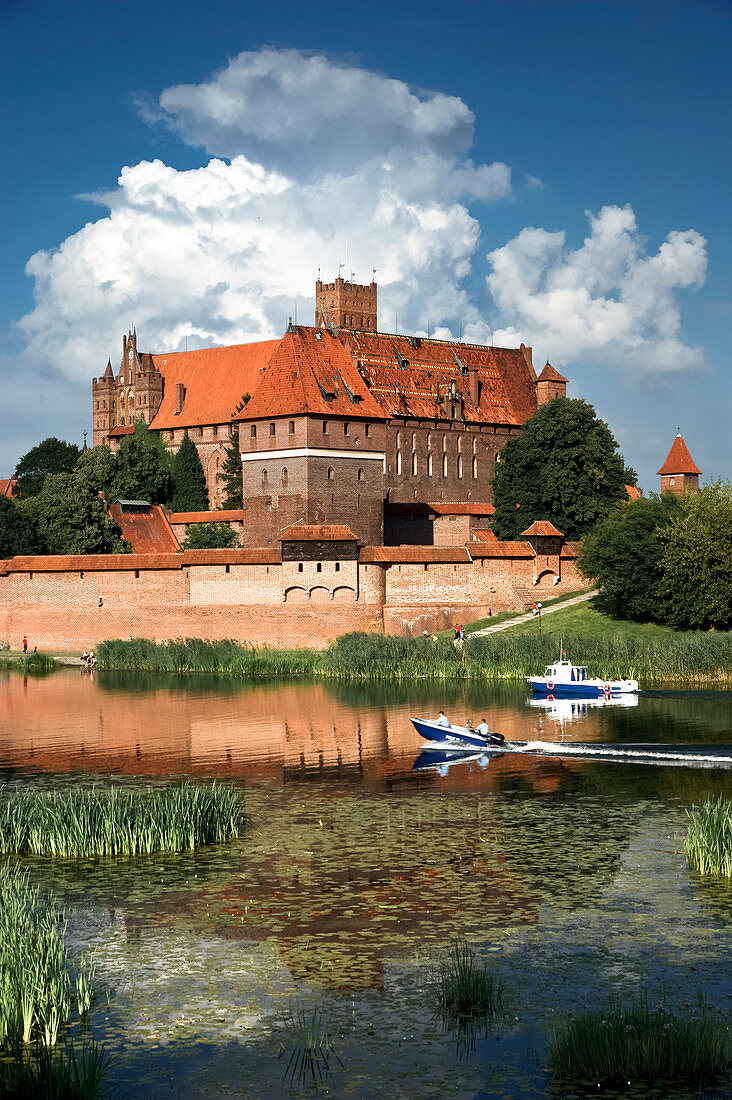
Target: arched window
[(429, 464), (360, 473), (475, 467), (414, 463), (460, 466), (272, 428), (474, 444), (414, 441), (459, 444), (444, 465), (346, 428), (399, 463), (331, 473), (399, 440), (265, 479), (285, 476), (444, 443)]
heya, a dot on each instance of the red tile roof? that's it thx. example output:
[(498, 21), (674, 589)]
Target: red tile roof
[(318, 532), (678, 460), (459, 508), (414, 554), (62, 563), (215, 381), (147, 530), (541, 527), (267, 555), (549, 374), (502, 550), (311, 372), (632, 491), (412, 376), (570, 549), (115, 433), (232, 515), (7, 486), (485, 536)]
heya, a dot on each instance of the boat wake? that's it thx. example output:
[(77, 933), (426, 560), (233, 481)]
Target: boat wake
[(707, 756)]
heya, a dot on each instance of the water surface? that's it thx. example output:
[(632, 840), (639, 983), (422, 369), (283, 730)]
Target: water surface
[(358, 872)]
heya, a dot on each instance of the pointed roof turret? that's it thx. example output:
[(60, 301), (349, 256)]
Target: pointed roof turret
[(549, 374), (678, 460), (109, 373)]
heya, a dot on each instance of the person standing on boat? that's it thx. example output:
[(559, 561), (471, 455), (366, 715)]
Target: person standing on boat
[(442, 719)]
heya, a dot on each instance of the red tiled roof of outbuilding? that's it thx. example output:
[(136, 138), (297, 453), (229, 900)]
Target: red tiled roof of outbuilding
[(485, 536), (541, 527), (678, 460), (7, 486), (633, 492), (215, 380), (318, 532), (407, 375), (148, 531), (127, 429), (231, 515), (311, 371), (461, 508)]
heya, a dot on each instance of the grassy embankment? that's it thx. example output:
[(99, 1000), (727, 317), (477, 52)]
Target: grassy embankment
[(609, 649)]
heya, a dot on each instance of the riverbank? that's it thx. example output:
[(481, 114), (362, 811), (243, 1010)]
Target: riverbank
[(691, 657)]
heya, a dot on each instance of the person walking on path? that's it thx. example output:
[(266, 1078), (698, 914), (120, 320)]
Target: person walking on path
[(25, 645)]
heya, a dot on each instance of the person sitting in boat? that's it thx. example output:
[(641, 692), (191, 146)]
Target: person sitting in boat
[(483, 728), (484, 731), (442, 719)]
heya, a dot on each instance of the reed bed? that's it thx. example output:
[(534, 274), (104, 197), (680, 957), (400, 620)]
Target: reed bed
[(36, 664), (709, 837), (695, 656), (632, 1042), (114, 822), (465, 988), (197, 655), (35, 990), (55, 1073)]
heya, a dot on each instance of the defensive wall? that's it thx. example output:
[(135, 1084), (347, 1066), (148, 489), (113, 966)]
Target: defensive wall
[(74, 602)]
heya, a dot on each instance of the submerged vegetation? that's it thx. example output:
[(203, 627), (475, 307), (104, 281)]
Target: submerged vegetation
[(709, 837), (465, 988), (699, 657), (310, 1047), (114, 822), (632, 1042)]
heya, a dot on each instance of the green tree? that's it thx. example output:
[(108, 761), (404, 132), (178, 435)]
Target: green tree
[(190, 493), (622, 554), (231, 472), (143, 468), (697, 560), (209, 536), (564, 467), (18, 534), (96, 470), (71, 520), (51, 456)]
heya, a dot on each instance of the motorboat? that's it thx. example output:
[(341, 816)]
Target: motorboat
[(440, 736), (564, 678)]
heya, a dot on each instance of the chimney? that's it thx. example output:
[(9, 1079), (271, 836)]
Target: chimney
[(180, 396), (474, 385)]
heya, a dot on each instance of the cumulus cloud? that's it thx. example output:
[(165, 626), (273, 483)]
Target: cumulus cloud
[(303, 152), (606, 300), (307, 152)]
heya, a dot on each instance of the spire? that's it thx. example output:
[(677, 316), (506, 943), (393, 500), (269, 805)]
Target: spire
[(678, 460), (109, 373)]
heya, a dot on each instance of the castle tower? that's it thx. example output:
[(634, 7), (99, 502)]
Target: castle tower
[(550, 384), (345, 305), (679, 473), (103, 405)]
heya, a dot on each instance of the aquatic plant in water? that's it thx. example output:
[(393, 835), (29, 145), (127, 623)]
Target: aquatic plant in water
[(115, 822), (309, 1045), (465, 988), (632, 1042), (709, 837), (60, 1073)]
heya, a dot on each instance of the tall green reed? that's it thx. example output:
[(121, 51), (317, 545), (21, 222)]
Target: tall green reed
[(631, 1042), (465, 988), (114, 822), (709, 837), (694, 656)]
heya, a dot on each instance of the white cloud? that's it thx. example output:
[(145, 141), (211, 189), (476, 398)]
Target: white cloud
[(606, 301), (219, 254)]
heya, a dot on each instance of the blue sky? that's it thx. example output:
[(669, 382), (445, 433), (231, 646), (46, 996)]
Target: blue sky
[(557, 172)]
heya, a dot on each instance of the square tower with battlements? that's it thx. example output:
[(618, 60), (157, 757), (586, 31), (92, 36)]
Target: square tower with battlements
[(345, 305)]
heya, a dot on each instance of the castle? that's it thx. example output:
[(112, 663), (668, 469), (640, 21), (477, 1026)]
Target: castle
[(395, 437)]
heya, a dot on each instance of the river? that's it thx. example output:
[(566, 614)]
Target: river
[(358, 871)]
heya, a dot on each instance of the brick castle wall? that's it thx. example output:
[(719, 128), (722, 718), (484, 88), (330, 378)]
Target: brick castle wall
[(263, 603)]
